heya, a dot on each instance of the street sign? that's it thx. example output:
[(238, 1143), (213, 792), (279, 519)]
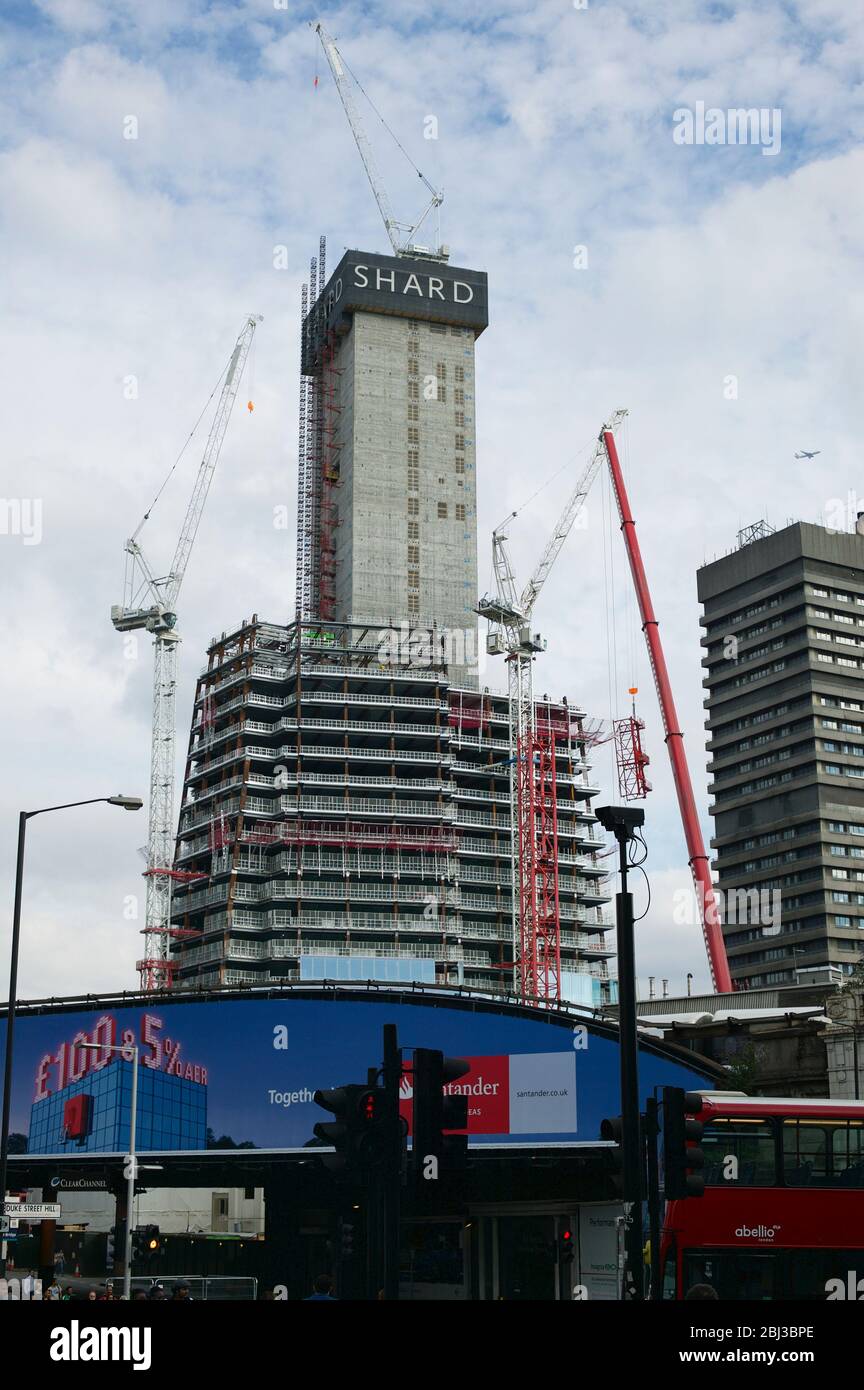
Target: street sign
[(33, 1211)]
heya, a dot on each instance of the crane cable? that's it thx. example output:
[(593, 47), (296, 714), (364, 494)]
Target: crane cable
[(390, 132), (191, 436)]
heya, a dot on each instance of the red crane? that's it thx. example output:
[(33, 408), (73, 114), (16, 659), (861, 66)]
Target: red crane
[(698, 859)]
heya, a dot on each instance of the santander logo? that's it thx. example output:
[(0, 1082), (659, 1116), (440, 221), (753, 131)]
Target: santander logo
[(487, 1088)]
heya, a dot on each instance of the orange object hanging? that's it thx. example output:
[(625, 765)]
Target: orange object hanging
[(250, 407)]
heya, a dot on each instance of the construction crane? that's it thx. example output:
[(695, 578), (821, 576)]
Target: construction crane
[(534, 838), (534, 833), (697, 857), (150, 604), (401, 234)]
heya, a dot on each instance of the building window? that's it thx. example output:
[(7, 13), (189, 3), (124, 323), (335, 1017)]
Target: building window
[(413, 479), (460, 443), (460, 511), (442, 509), (459, 396), (413, 435), (441, 371), (413, 412), (413, 530), (460, 463), (413, 506), (413, 579), (459, 373), (414, 603), (459, 419), (413, 390), (438, 328), (413, 554)]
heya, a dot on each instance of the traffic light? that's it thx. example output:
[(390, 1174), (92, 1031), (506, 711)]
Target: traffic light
[(435, 1113), (152, 1241), (146, 1242), (565, 1247), (683, 1158), (612, 1131), (359, 1132)]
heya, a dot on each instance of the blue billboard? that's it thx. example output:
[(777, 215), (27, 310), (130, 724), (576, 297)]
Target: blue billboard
[(240, 1071)]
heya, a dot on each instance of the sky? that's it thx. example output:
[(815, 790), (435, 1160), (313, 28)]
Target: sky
[(168, 168)]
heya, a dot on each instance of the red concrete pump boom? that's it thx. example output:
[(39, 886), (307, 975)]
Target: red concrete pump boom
[(674, 738)]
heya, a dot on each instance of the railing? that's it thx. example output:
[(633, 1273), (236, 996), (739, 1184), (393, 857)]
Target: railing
[(424, 730), (358, 698), (367, 806)]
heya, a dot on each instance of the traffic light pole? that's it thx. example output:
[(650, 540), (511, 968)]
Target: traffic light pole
[(652, 1171), (391, 1169), (622, 821)]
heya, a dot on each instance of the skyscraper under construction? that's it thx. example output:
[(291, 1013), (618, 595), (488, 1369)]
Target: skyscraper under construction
[(347, 794)]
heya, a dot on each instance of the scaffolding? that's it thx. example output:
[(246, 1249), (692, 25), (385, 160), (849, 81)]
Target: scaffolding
[(309, 457)]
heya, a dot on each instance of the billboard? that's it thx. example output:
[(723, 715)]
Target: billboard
[(240, 1071)]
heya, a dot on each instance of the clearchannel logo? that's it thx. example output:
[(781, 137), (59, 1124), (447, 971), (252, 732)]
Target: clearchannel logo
[(757, 1232)]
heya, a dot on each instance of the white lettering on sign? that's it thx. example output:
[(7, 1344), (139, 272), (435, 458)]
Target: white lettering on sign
[(426, 286)]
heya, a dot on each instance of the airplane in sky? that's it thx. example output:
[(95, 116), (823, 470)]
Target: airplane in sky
[(804, 454)]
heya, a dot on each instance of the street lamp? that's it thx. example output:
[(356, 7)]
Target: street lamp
[(131, 1161), (128, 803)]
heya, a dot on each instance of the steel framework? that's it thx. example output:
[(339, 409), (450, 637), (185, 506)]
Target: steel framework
[(630, 758)]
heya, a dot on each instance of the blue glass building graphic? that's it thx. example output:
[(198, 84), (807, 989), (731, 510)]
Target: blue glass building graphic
[(172, 1113)]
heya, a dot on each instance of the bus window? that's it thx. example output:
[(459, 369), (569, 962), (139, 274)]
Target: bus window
[(739, 1153), (734, 1274), (805, 1154), (670, 1273), (847, 1154)]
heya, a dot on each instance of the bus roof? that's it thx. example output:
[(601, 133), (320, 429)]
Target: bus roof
[(824, 1107)]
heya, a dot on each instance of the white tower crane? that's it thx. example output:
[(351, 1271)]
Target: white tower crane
[(150, 603), (401, 234), (536, 927)]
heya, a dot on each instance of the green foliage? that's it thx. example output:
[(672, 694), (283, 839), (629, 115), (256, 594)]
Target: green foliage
[(743, 1071)]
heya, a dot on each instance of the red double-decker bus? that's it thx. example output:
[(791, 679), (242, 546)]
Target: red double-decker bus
[(782, 1216)]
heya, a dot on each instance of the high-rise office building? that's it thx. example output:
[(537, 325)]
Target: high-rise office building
[(387, 500), (784, 661), (346, 811)]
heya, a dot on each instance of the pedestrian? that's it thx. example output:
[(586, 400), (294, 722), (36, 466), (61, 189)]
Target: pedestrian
[(323, 1287), (91, 1296), (67, 1295), (181, 1293), (108, 1295), (59, 1264), (701, 1293), (53, 1292), (28, 1285), (156, 1292), (139, 1296)]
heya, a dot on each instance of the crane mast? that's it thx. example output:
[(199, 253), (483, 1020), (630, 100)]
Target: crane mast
[(401, 234), (534, 829), (159, 616), (698, 859), (534, 836)]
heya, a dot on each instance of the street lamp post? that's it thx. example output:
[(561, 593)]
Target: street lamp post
[(129, 803), (131, 1159)]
